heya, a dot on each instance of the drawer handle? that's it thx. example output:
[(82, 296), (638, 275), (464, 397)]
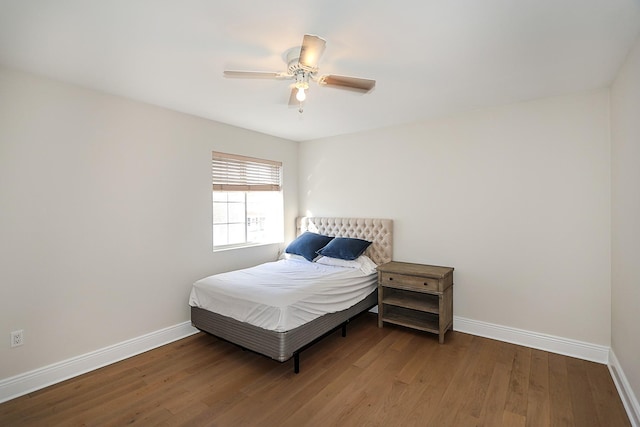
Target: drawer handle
[(426, 283), (390, 278)]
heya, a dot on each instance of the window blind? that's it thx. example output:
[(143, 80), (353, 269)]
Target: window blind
[(232, 172)]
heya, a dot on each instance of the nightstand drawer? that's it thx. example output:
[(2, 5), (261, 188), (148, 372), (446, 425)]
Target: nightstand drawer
[(413, 283)]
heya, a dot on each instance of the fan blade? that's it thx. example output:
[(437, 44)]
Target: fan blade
[(343, 82), (311, 51), (293, 101), (255, 74)]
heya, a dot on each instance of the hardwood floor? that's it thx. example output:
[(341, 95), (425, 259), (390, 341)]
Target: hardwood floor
[(386, 377)]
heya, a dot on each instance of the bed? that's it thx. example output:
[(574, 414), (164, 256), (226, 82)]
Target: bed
[(267, 327)]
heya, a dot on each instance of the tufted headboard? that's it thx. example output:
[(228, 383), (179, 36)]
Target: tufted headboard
[(376, 230)]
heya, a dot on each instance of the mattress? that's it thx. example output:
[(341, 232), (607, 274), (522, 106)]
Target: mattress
[(283, 295)]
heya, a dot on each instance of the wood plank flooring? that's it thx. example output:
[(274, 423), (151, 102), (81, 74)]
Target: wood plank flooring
[(373, 377)]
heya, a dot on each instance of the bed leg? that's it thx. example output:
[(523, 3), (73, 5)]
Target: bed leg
[(296, 362), (344, 329)]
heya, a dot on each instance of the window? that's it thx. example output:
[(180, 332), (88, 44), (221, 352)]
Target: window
[(247, 201)]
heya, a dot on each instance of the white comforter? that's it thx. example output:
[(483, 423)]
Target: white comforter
[(282, 295)]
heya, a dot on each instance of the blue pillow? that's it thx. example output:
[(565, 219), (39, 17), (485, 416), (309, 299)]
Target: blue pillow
[(307, 244), (345, 248)]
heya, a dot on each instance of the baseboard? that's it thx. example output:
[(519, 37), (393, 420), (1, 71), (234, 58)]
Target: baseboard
[(22, 384), (553, 344), (628, 397)]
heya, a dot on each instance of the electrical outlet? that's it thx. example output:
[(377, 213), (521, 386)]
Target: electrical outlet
[(17, 338)]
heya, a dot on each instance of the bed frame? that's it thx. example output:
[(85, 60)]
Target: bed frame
[(282, 346)]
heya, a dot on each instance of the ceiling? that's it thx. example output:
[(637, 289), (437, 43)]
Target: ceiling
[(429, 57)]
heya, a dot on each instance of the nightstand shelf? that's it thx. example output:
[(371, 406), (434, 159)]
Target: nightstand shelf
[(412, 300), (416, 296), (412, 319)]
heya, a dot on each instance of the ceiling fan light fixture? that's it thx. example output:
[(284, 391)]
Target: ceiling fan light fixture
[(301, 96), (302, 84)]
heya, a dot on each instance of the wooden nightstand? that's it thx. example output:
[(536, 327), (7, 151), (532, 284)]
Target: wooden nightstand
[(416, 296)]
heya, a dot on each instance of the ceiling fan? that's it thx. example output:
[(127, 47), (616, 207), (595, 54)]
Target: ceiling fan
[(302, 66)]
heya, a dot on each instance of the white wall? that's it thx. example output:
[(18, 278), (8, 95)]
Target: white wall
[(625, 246), (516, 198), (105, 216)]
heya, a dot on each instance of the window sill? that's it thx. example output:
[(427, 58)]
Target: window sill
[(243, 245)]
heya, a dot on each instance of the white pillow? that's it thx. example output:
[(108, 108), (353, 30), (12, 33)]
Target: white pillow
[(363, 263)]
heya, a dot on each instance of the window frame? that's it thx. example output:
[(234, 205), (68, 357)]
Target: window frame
[(237, 173)]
